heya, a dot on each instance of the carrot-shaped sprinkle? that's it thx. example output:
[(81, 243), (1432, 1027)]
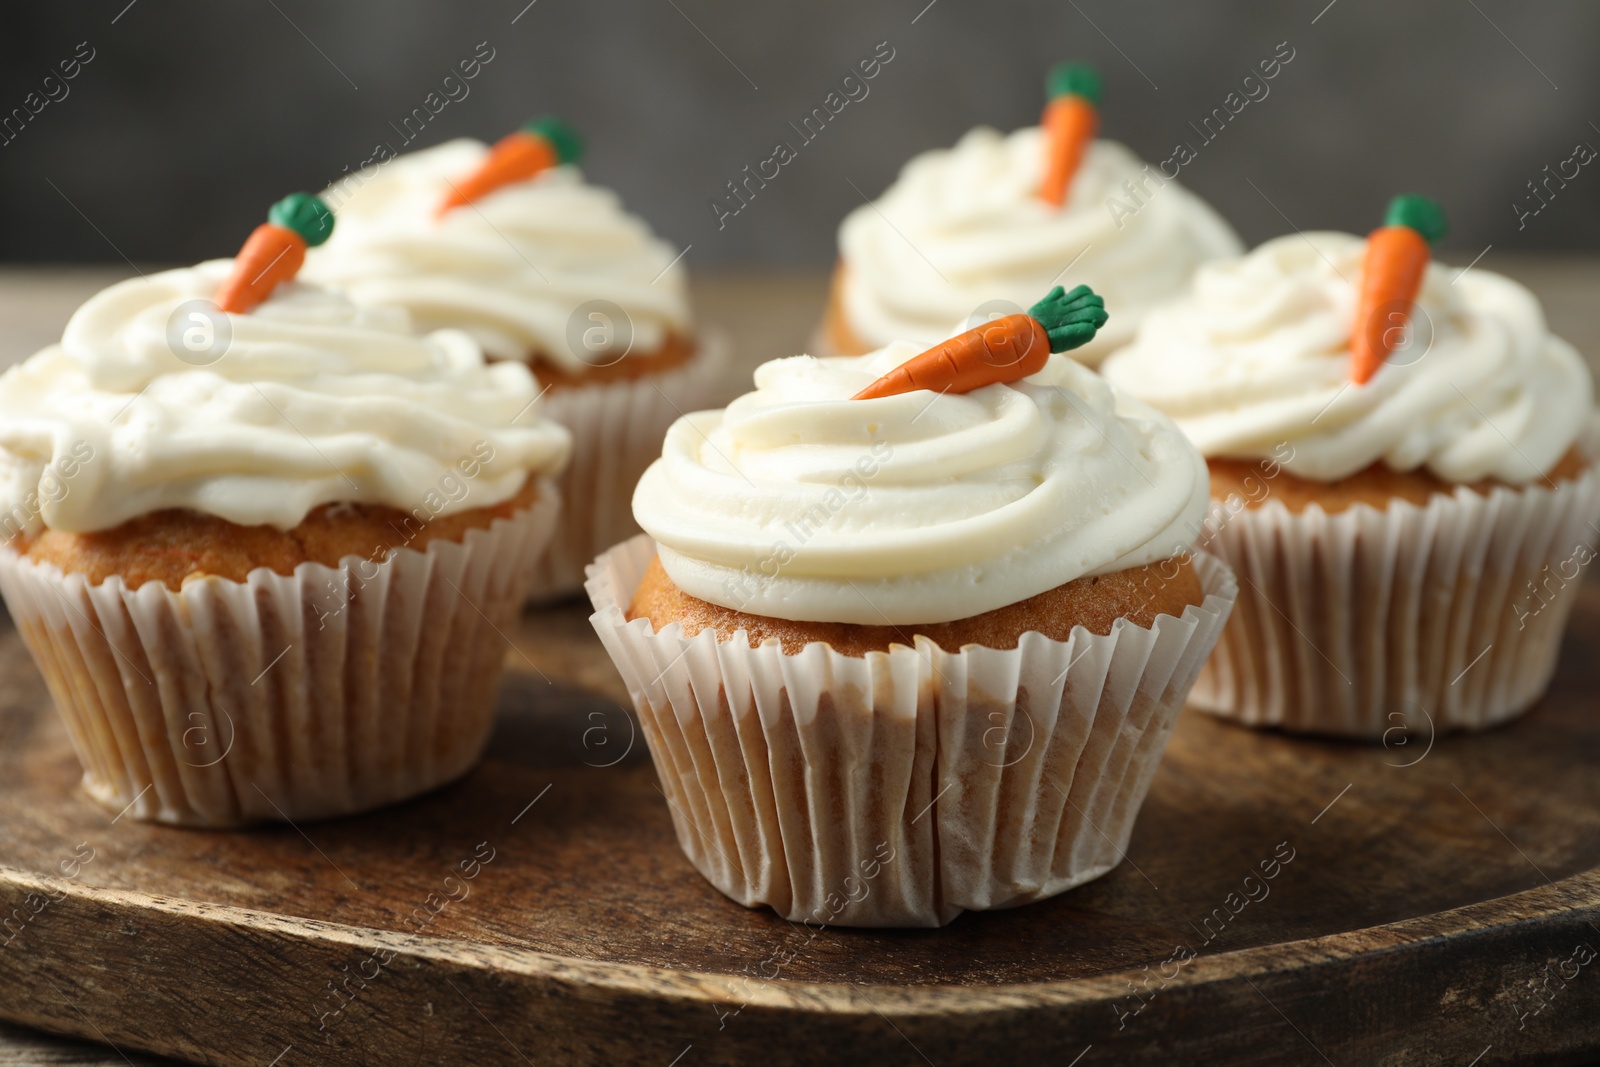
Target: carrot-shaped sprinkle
[(1391, 276), (275, 251), (1003, 350), (1071, 119), (516, 157)]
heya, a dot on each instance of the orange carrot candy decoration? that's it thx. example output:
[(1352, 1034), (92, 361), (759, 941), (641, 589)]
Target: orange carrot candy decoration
[(1071, 119), (1003, 350), (516, 157), (1391, 276), (274, 252)]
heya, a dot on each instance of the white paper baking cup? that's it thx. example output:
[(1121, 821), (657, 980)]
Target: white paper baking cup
[(900, 788), (1406, 620), (325, 692), (617, 429)]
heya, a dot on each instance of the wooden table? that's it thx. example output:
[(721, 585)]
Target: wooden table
[(1468, 869)]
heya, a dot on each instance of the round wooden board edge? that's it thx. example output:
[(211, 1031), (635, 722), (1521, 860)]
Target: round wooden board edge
[(1554, 909), (1576, 898)]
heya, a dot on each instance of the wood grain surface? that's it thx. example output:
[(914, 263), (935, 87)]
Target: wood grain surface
[(1428, 903), (1416, 897)]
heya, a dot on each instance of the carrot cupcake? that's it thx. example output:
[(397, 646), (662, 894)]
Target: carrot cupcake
[(1399, 459), (890, 633), (261, 540), (512, 245), (997, 219)]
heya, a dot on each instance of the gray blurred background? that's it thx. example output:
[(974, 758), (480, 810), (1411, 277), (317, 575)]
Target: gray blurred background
[(192, 115)]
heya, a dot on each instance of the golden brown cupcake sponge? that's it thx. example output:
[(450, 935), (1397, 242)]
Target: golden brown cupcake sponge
[(1377, 485), (171, 545), (1138, 594)]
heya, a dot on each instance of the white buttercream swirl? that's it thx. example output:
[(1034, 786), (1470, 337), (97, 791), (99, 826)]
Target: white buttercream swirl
[(799, 503), (313, 400), (1258, 354), (510, 269), (963, 227)]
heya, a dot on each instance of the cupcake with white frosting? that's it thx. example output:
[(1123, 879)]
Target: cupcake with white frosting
[(894, 655), (511, 244), (971, 228), (1391, 533), (262, 556)]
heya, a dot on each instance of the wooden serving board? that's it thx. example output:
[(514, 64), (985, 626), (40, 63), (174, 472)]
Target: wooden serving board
[(1426, 904)]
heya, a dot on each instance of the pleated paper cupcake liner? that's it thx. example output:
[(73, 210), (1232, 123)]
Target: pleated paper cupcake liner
[(1412, 619), (903, 787), (283, 697), (617, 429)]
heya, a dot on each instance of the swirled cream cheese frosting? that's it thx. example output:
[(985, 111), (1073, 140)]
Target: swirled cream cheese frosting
[(1257, 354), (799, 503), (511, 269), (963, 228), (308, 399)]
